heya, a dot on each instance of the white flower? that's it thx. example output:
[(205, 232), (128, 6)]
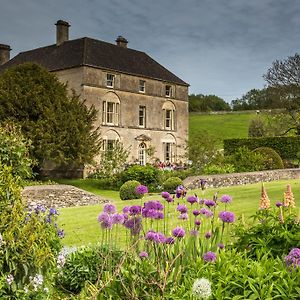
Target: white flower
[(38, 279), (9, 279), (201, 288), (61, 260), (1, 240), (46, 290), (25, 290)]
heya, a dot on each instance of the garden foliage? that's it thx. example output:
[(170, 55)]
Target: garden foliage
[(127, 190), (272, 159), (171, 184)]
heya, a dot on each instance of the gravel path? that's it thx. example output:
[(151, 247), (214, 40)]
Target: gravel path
[(59, 196)]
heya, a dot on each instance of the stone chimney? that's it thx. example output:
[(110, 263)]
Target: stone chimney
[(4, 54), (62, 32), (121, 41)]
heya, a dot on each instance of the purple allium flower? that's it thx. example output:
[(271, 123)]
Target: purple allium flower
[(210, 257), (197, 222), (143, 254), (153, 205), (208, 235), (53, 211), (125, 216), (182, 208), (180, 191), (178, 232), (159, 215), (170, 240), (165, 195), (107, 224), (192, 199), (103, 217), (60, 233), (278, 204), (109, 208), (160, 237), (134, 224), (194, 232), (141, 189), (149, 213), (226, 199), (202, 183), (196, 212), (170, 199), (183, 216), (221, 246), (117, 218), (150, 235), (227, 216), (293, 258), (135, 210), (210, 203), (201, 201), (208, 213), (126, 209)]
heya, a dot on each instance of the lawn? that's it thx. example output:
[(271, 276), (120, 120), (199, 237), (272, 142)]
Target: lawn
[(81, 227), (222, 126)]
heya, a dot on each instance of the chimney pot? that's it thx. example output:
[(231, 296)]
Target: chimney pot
[(4, 53), (121, 41), (62, 32)]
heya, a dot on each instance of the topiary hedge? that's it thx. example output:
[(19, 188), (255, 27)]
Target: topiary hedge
[(127, 190), (286, 147), (171, 184), (272, 159)]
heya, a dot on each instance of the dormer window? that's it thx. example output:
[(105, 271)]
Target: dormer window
[(168, 91), (110, 80), (142, 86)]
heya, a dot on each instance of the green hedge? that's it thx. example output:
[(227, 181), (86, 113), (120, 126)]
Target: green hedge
[(286, 147)]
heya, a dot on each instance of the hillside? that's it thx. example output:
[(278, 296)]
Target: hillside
[(222, 126)]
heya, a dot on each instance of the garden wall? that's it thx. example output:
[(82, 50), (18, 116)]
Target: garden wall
[(241, 178)]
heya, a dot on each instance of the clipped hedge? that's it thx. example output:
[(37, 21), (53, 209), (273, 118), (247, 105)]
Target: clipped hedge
[(273, 160), (127, 190), (286, 147), (171, 184)]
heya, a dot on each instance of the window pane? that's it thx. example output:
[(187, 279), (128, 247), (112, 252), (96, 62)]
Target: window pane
[(142, 116), (110, 80), (142, 86)]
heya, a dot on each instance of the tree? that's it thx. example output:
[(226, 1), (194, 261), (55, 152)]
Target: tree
[(284, 78), (59, 126), (207, 103)]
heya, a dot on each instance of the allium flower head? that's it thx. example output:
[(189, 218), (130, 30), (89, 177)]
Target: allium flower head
[(117, 218), (192, 199), (208, 213), (170, 240), (143, 254), (141, 189), (178, 232), (170, 199), (227, 216), (292, 260), (182, 208), (109, 208), (196, 212), (103, 217), (134, 224), (135, 210), (210, 257), (183, 216), (126, 209), (180, 191), (107, 224), (210, 203), (165, 195), (226, 199), (203, 183), (201, 288), (264, 199), (159, 215), (208, 235), (221, 246), (194, 232), (197, 222)]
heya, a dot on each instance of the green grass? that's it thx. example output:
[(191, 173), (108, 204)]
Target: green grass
[(222, 126), (81, 227)]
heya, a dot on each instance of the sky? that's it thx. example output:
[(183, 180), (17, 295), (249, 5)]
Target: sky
[(220, 47)]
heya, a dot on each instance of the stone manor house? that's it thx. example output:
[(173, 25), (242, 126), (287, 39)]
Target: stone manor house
[(140, 103)]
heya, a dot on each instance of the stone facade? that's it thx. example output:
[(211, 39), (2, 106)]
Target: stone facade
[(91, 84)]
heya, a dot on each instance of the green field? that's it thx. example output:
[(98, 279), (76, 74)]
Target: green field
[(81, 226), (221, 126)]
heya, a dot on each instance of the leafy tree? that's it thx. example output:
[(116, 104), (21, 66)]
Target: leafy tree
[(284, 78), (59, 125), (207, 103)]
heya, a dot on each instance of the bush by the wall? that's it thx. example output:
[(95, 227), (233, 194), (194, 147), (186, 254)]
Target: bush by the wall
[(224, 168), (272, 159), (171, 184), (286, 147), (146, 175), (127, 190)]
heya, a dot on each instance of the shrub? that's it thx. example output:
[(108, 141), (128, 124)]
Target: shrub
[(146, 175), (86, 264), (257, 128), (14, 151), (272, 159), (127, 190), (29, 243), (171, 184), (245, 160), (218, 169)]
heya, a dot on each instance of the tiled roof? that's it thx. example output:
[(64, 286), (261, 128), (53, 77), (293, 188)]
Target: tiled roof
[(99, 54)]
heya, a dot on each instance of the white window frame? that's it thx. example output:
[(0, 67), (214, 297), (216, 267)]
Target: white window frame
[(142, 154), (168, 152), (168, 91), (110, 80), (142, 116), (142, 86), (110, 113)]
